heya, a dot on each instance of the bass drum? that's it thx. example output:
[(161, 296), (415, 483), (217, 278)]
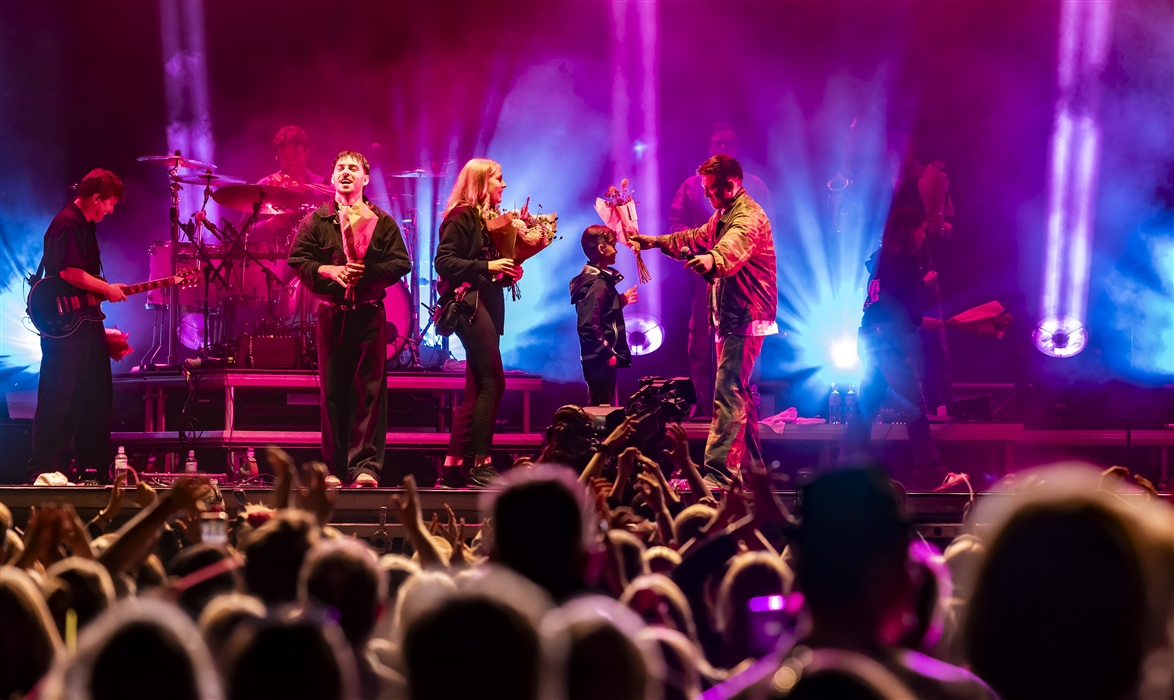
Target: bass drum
[(296, 300)]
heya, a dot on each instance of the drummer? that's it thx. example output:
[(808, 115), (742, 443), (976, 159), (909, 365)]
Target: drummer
[(277, 231), (292, 153)]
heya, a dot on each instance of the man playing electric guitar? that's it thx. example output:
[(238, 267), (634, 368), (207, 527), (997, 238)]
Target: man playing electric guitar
[(75, 393)]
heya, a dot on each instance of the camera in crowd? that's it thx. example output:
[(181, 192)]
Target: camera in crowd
[(655, 404)]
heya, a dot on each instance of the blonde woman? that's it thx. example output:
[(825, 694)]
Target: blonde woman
[(467, 260)]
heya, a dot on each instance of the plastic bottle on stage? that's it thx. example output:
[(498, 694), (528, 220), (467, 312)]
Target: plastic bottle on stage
[(251, 462), (834, 416), (849, 403), (190, 465), (120, 461)]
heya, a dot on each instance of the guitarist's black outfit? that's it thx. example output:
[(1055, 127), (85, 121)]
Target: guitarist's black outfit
[(352, 338), (75, 393)]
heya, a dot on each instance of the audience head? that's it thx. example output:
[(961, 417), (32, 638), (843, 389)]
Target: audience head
[(539, 527), (200, 557), (659, 602), (689, 522), (471, 647), (397, 569), (139, 646), (595, 652), (1074, 592), (418, 595), (631, 552), (275, 556), (222, 616), (344, 575), (851, 554), (304, 656), (751, 575), (661, 560), (77, 584), (681, 679), (28, 638)]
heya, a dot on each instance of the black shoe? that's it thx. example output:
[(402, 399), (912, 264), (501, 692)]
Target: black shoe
[(483, 477), (451, 478)]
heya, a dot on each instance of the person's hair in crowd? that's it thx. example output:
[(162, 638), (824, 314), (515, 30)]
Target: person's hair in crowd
[(81, 585), (100, 182), (29, 640), (199, 558), (222, 616), (345, 576), (661, 560), (274, 557), (304, 656), (496, 647), (553, 555)]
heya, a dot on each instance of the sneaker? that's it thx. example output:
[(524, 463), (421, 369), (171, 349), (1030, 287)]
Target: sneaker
[(483, 477), (451, 478), (953, 479), (332, 481), (365, 481)]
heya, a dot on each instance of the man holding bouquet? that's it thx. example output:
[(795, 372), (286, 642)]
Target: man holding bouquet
[(348, 252), (734, 252)]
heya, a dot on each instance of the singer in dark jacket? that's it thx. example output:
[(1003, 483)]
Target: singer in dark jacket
[(888, 332), (603, 336), (348, 252), (468, 263)]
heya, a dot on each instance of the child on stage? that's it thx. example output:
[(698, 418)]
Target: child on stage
[(603, 339)]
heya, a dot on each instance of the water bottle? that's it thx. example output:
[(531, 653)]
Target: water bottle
[(849, 403), (251, 462), (190, 465), (834, 416), (120, 461)]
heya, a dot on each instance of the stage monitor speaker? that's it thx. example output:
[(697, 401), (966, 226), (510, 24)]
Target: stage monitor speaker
[(263, 352)]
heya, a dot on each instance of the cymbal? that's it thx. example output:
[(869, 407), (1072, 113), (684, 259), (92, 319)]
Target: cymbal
[(272, 198), (176, 161), (209, 179), (418, 173)]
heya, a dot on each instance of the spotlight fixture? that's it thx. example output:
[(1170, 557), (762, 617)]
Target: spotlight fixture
[(1060, 337), (645, 334)]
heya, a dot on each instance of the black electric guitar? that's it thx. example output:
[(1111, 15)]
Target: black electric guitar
[(57, 308)]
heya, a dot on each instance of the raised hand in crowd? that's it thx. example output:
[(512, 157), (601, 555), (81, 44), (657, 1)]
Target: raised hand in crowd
[(113, 506), (408, 512), (680, 455), (145, 494), (454, 534), (654, 496), (316, 498), (607, 448), (186, 496), (624, 466)]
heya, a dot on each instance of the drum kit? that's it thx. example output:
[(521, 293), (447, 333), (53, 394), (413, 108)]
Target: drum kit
[(247, 290)]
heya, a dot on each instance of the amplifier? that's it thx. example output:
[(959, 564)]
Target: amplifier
[(266, 352)]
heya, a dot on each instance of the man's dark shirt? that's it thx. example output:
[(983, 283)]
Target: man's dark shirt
[(600, 308), (70, 241), (319, 242), (894, 289)]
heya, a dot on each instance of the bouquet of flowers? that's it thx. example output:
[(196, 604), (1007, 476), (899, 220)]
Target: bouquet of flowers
[(989, 319), (618, 210), (519, 234)]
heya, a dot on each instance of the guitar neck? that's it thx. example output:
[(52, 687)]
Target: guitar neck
[(148, 286)]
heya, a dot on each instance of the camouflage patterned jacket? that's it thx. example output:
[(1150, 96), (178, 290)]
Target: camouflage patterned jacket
[(742, 286)]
